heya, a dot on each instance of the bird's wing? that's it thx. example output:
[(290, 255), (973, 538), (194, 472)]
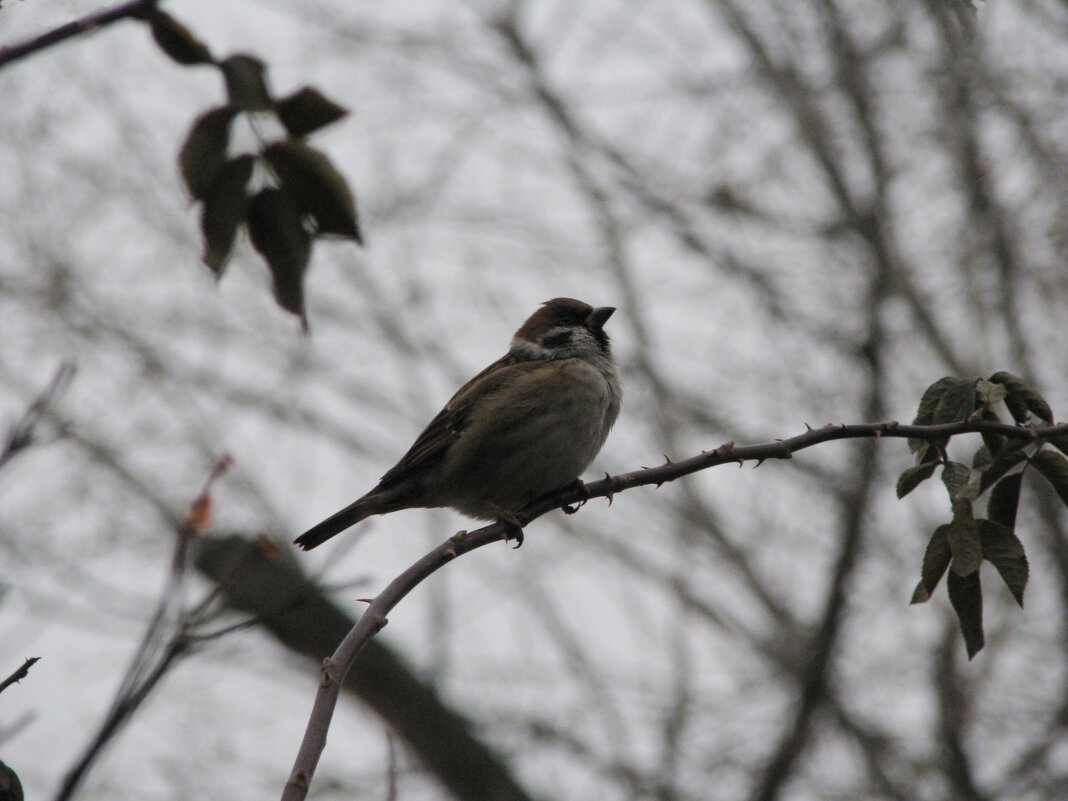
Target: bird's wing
[(436, 439)]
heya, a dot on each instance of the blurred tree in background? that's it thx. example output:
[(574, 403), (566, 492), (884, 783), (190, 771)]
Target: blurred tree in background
[(806, 213)]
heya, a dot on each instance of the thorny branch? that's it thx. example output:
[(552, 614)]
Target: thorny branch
[(19, 674), (375, 618)]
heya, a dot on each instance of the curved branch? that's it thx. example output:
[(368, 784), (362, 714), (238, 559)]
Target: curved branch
[(374, 617)]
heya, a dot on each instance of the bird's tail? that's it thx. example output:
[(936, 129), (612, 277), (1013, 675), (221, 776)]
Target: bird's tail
[(336, 523)]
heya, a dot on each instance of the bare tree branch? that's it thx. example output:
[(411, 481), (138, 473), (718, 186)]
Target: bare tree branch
[(87, 24), (21, 435), (258, 578), (375, 618)]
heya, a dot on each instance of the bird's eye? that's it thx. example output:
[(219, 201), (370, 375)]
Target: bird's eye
[(557, 340)]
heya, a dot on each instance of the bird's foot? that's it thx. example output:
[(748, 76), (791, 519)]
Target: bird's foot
[(513, 529), (577, 484)]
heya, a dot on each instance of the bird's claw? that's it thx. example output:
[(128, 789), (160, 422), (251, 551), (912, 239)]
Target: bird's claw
[(570, 509), (513, 529)]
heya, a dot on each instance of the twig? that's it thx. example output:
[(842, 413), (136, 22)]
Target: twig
[(374, 617), (19, 674), (21, 435), (87, 24), (162, 645)]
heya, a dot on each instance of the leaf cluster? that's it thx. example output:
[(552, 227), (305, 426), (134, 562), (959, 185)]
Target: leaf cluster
[(286, 194), (996, 471)]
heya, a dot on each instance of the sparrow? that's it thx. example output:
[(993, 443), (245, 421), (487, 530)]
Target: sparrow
[(527, 425)]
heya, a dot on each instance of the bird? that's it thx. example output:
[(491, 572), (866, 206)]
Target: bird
[(527, 425)]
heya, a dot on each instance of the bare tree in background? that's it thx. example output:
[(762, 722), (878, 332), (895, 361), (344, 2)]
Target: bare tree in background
[(806, 212)]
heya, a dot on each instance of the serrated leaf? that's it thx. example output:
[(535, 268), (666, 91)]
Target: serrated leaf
[(936, 559), (1006, 461), (966, 595), (957, 402), (956, 476), (246, 83), (307, 110), (277, 232), (316, 187), (1004, 500), (913, 477), (1022, 398), (204, 152), (963, 537), (1006, 553), (224, 211), (176, 40), (1054, 468)]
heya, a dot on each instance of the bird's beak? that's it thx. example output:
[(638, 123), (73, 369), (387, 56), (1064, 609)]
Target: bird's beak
[(599, 316)]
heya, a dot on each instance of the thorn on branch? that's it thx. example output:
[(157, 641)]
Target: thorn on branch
[(19, 673), (327, 677), (610, 494)]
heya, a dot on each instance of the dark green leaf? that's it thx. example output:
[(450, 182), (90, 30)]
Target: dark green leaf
[(224, 211), (1004, 500), (966, 595), (10, 786), (307, 110), (992, 442), (963, 538), (1054, 468), (246, 83), (276, 231), (1006, 460), (204, 151), (1023, 398), (1005, 552), (913, 477), (957, 402), (935, 561), (176, 40), (932, 396), (316, 187), (925, 413), (956, 477)]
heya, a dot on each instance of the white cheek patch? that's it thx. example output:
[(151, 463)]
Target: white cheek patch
[(524, 349)]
